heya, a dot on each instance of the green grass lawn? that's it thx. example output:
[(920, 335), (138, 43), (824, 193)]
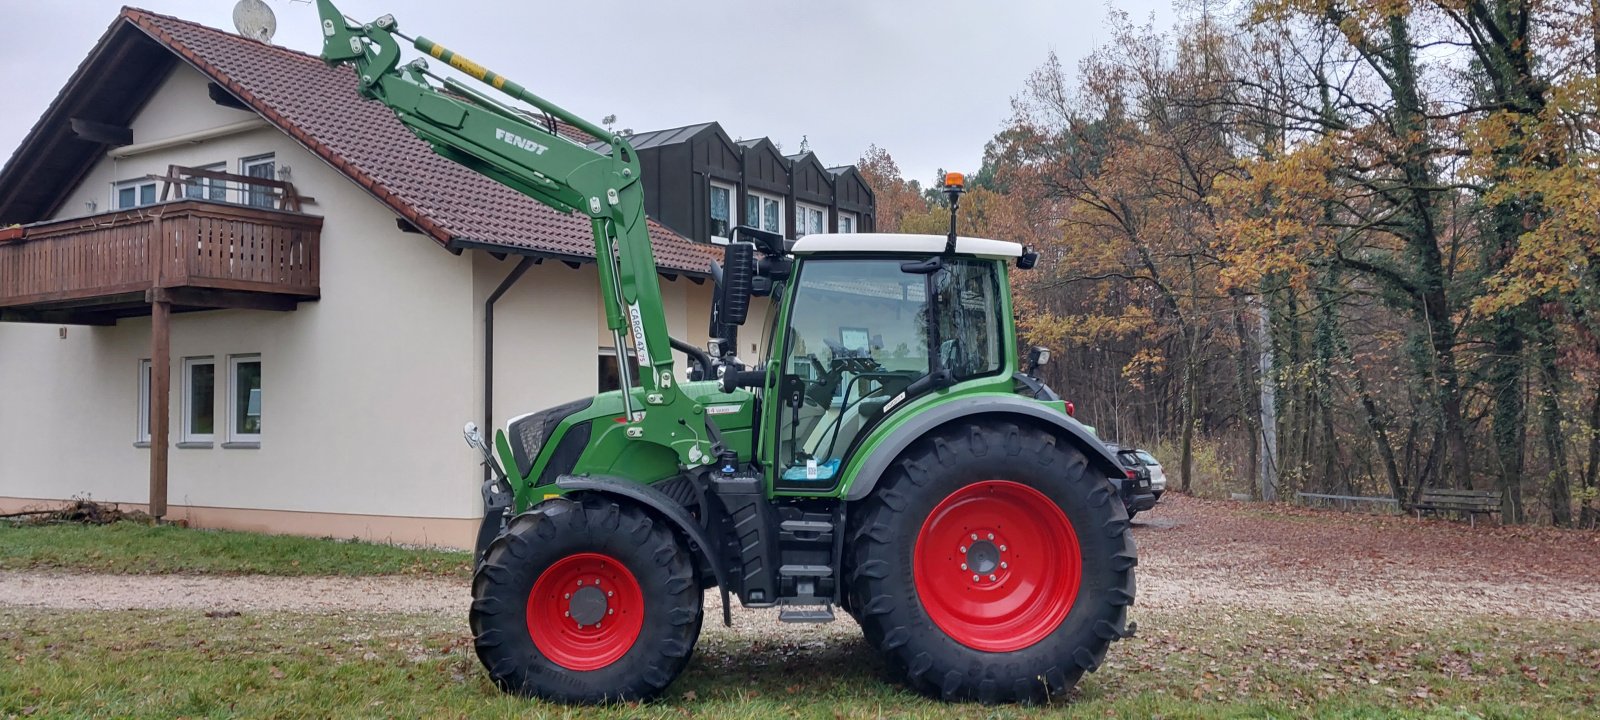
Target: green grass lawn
[(163, 664), (128, 547)]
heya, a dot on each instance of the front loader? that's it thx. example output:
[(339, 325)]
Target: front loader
[(890, 457)]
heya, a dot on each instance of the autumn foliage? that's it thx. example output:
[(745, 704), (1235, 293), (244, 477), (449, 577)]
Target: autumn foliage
[(1336, 246)]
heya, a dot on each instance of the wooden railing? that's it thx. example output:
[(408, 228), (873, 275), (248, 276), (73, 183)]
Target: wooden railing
[(185, 244)]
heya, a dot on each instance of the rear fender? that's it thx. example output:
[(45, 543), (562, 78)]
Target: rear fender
[(990, 408)]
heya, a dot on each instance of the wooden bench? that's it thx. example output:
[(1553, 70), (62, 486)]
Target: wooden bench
[(1470, 502)]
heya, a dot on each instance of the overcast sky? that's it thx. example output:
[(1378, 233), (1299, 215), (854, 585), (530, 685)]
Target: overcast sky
[(929, 80)]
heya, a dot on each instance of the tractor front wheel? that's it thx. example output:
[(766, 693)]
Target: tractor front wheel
[(992, 563), (585, 602)]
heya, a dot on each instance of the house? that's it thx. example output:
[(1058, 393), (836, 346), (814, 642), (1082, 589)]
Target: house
[(216, 240)]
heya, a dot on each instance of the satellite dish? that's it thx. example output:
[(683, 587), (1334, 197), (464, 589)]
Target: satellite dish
[(253, 19)]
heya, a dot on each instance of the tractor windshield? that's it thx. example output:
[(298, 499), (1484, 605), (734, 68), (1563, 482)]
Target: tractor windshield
[(859, 335)]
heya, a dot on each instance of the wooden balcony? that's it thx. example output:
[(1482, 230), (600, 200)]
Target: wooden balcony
[(191, 254)]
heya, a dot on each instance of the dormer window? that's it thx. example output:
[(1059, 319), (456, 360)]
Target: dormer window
[(722, 212), (809, 219), (764, 211), (847, 222)]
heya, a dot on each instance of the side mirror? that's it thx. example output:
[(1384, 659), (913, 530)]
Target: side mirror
[(473, 437), (1027, 259), (737, 282)]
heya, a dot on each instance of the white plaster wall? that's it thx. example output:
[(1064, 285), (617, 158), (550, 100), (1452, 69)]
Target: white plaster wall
[(364, 391), (544, 351), (180, 106), (550, 327)]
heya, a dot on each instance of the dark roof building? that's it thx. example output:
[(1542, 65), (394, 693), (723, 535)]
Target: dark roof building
[(680, 166), (853, 204), (701, 183)]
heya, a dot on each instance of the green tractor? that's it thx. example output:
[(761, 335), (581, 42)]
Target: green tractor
[(893, 456)]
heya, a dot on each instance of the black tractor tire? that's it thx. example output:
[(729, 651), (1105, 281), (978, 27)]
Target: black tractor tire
[(963, 461), (555, 547)]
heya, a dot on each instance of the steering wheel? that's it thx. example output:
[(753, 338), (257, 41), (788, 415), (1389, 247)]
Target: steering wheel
[(821, 392)]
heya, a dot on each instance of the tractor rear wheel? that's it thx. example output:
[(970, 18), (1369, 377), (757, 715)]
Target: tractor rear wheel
[(585, 602), (992, 563)]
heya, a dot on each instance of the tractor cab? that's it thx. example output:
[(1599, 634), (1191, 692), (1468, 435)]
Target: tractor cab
[(867, 326)]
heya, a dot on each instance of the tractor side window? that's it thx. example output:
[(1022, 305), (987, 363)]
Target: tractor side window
[(969, 341), (856, 338)]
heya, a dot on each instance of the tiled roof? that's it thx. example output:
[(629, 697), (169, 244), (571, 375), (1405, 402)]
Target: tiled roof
[(319, 107)]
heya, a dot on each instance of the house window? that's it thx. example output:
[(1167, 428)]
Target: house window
[(847, 222), (722, 214), (764, 211), (260, 166), (199, 401), (809, 219), (142, 435), (207, 188), (130, 194), (244, 400), (610, 375)]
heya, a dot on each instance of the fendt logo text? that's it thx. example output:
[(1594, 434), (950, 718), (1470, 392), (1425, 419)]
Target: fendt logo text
[(519, 141)]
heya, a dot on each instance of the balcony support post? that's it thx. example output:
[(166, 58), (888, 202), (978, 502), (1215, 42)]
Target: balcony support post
[(160, 393)]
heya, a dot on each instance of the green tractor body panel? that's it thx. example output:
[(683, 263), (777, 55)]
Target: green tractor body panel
[(605, 448)]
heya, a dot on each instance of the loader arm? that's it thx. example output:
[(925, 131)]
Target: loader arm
[(524, 152)]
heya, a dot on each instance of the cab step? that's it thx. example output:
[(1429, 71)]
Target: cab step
[(806, 615), (815, 527), (814, 571)]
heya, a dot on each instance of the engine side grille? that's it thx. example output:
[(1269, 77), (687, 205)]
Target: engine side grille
[(529, 433)]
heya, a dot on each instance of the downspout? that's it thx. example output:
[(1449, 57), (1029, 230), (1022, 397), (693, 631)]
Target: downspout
[(512, 277)]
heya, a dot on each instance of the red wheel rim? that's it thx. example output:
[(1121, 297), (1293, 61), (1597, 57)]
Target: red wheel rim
[(585, 611), (997, 566)]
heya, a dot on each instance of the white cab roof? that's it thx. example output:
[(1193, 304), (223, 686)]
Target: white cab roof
[(902, 243)]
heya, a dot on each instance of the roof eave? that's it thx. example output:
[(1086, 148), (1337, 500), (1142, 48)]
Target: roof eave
[(459, 244)]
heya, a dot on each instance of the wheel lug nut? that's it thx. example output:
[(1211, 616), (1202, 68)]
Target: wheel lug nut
[(991, 536), (580, 583), (991, 578), (1002, 548), (609, 593), (963, 548), (610, 611), (974, 536), (975, 578), (566, 613), (963, 566), (597, 626), (567, 596), (1004, 566)]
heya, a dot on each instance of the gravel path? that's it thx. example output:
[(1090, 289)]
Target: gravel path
[(1193, 555)]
